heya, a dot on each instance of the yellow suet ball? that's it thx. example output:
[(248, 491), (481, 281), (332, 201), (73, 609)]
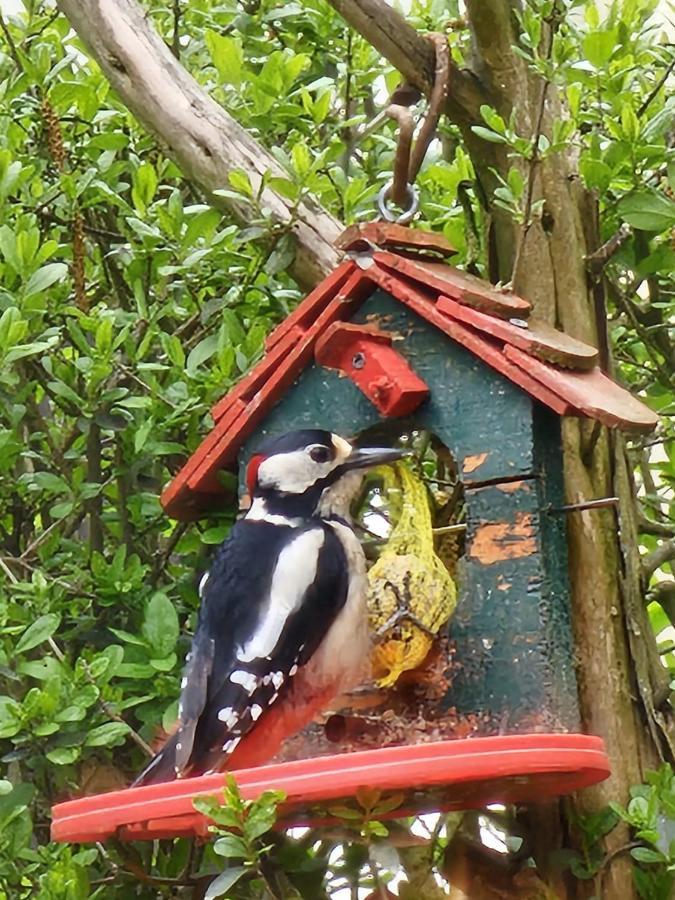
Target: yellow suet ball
[(411, 594)]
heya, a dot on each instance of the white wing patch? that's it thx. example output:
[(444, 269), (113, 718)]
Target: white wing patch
[(202, 584), (247, 680), (228, 716), (294, 573)]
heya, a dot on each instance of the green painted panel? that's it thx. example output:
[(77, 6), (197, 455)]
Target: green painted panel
[(511, 662), (473, 409), (510, 633)]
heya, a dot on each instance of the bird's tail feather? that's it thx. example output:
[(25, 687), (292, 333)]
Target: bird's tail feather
[(162, 767)]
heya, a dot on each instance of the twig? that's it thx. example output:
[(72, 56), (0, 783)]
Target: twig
[(608, 860), (162, 560), (8, 572), (642, 108), (175, 42), (111, 714), (648, 526), (14, 53), (654, 560), (596, 261), (533, 162)]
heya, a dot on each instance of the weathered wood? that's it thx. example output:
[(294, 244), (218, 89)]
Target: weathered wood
[(390, 236), (307, 311), (536, 338), (363, 353), (197, 133), (413, 56), (593, 393), (489, 352), (512, 667), (223, 452), (458, 285)]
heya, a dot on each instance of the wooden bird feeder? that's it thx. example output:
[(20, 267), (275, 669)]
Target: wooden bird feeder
[(396, 339)]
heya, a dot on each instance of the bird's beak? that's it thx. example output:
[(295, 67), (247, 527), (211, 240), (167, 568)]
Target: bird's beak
[(365, 457)]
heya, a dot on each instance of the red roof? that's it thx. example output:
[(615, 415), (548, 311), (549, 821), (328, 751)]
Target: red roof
[(553, 368)]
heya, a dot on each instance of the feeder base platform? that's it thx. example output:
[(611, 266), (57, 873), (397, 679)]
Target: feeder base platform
[(462, 774)]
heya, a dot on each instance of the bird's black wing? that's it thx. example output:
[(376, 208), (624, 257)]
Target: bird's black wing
[(268, 601)]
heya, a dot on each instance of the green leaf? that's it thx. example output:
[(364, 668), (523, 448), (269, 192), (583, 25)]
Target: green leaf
[(45, 277), (596, 173), (488, 135), (63, 756), (231, 845), (240, 182), (144, 181), (630, 125), (224, 882), (161, 628), (301, 158), (644, 855), (109, 735), (39, 631), (282, 256), (648, 210), (492, 118), (10, 717), (598, 46), (227, 56), (201, 353)]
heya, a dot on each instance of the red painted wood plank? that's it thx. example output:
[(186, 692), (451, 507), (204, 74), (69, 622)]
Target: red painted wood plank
[(593, 393), (268, 394), (174, 495), (478, 344), (351, 286), (313, 304), (537, 339), (391, 236), (457, 285), (252, 382), (364, 354)]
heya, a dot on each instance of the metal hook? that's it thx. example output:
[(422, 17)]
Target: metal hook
[(408, 160), (410, 207)]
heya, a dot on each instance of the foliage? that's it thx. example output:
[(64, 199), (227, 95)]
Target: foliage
[(119, 329)]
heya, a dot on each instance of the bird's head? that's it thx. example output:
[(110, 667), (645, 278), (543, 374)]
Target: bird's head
[(305, 472)]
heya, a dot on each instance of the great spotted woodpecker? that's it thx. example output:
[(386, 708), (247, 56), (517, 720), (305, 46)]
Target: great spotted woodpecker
[(282, 627)]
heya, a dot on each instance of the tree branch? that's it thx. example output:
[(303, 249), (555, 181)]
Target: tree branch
[(197, 133), (652, 561), (409, 52)]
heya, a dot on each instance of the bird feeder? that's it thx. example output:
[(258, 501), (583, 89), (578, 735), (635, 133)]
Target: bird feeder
[(397, 340)]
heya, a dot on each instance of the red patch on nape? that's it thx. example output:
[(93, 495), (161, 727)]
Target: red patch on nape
[(252, 472)]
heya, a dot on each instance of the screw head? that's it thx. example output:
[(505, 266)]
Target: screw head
[(358, 360)]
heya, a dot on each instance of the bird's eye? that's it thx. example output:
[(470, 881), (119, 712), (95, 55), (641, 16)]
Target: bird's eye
[(319, 454)]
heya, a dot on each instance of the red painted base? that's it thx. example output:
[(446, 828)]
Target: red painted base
[(446, 775)]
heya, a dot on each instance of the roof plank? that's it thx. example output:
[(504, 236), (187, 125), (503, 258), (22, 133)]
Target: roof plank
[(480, 345), (593, 393), (457, 285), (532, 336)]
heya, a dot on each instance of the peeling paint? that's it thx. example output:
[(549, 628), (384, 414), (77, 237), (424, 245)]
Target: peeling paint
[(508, 487), (496, 541), (471, 463)]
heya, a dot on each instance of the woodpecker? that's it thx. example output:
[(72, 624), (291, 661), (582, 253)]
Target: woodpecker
[(283, 622)]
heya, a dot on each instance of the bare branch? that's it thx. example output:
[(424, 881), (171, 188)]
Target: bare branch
[(409, 52), (198, 134), (649, 526), (654, 560)]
